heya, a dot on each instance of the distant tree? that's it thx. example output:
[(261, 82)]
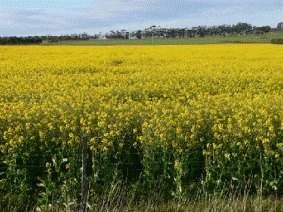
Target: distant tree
[(75, 37), (190, 33), (157, 32), (118, 35), (280, 25), (20, 40), (146, 33), (161, 32), (125, 34), (95, 37), (152, 30), (266, 29), (172, 33), (261, 30), (194, 31), (201, 30), (112, 34), (84, 36), (139, 34), (242, 27), (181, 32), (54, 39)]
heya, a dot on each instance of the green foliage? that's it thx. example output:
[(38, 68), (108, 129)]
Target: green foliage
[(277, 41), (218, 39)]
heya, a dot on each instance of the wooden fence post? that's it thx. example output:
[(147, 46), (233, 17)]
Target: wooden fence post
[(84, 175)]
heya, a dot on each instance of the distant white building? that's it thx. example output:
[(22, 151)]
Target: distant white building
[(280, 25)]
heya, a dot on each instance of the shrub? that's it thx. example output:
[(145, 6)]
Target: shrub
[(277, 41)]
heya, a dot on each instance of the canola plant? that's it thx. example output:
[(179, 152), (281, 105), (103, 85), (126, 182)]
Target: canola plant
[(211, 113)]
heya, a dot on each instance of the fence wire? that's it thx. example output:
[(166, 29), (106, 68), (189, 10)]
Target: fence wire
[(25, 168)]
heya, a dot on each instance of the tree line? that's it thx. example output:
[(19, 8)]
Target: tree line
[(201, 31), (20, 40), (151, 32)]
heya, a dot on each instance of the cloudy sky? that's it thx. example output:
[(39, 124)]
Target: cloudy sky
[(61, 17)]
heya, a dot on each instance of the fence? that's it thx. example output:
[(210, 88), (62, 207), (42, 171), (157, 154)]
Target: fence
[(84, 164)]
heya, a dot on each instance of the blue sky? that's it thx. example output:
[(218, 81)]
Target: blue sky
[(58, 17)]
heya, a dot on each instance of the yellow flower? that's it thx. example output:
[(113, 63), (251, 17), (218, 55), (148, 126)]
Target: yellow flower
[(246, 142), (265, 140), (204, 152), (177, 165), (71, 135), (27, 126), (68, 166)]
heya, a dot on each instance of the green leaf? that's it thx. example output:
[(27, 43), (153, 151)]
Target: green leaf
[(54, 161)]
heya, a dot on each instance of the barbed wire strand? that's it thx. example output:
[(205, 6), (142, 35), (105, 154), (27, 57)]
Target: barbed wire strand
[(115, 164)]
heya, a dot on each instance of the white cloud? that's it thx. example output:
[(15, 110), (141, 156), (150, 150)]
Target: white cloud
[(72, 16)]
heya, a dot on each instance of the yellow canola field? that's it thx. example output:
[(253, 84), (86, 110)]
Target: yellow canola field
[(181, 98)]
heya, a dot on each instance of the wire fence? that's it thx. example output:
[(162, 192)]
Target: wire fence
[(84, 155)]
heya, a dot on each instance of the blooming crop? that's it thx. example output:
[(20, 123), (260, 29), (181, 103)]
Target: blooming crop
[(143, 98)]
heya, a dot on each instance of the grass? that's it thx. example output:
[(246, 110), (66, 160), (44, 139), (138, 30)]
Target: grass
[(219, 200), (119, 197), (179, 41)]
